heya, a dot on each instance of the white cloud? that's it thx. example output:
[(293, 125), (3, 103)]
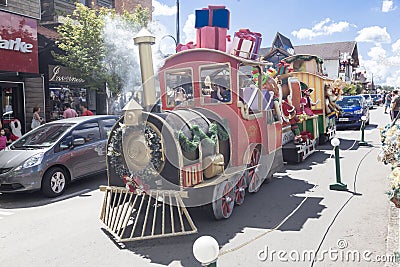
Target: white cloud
[(189, 30), (396, 47), (374, 34), (376, 53), (324, 27), (388, 6), (384, 68), (162, 9)]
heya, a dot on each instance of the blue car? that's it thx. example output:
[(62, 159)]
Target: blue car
[(353, 107)]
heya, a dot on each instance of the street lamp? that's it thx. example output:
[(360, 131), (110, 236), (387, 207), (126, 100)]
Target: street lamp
[(362, 142), (335, 142), (206, 250)]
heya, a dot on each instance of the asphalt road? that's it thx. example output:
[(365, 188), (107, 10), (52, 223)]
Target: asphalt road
[(294, 213)]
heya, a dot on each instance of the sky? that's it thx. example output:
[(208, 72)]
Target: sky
[(373, 24)]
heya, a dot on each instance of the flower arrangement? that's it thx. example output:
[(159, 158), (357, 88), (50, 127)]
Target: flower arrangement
[(390, 154)]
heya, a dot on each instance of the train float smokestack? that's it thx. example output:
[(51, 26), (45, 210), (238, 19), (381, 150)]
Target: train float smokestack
[(144, 40)]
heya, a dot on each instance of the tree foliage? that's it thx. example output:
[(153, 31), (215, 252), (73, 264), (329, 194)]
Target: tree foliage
[(84, 50), (352, 89)]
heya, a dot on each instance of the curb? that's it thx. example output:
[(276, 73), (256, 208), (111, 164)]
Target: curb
[(392, 239)]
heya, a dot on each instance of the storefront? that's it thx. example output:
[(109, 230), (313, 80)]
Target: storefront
[(61, 85), (65, 88), (21, 85)]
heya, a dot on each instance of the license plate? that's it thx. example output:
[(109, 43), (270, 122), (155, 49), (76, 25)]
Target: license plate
[(343, 119)]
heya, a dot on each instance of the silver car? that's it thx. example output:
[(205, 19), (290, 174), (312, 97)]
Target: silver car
[(54, 154)]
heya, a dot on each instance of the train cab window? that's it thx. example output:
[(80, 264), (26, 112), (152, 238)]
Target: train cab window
[(249, 92), (215, 84), (179, 87), (255, 97)]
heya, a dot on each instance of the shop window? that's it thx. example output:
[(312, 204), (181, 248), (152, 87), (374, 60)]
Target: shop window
[(216, 84), (6, 95), (179, 87), (61, 95), (3, 2)]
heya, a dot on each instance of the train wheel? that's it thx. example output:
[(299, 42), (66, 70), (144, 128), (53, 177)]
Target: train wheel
[(240, 191), (223, 205), (254, 180)]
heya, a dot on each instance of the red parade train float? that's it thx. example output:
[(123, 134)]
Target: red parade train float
[(215, 134)]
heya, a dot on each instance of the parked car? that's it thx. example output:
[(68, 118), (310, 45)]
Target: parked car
[(54, 154), (354, 107), (377, 99), (368, 100)]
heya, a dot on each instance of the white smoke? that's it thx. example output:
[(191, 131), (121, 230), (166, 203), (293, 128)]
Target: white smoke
[(122, 55)]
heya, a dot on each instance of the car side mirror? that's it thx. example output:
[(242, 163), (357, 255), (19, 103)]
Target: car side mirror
[(78, 141)]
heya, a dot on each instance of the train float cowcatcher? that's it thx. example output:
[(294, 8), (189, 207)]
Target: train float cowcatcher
[(215, 135)]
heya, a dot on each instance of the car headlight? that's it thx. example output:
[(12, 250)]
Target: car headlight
[(359, 111), (31, 162)]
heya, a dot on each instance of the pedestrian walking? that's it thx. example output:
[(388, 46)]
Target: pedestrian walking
[(395, 105), (388, 101), (36, 119), (85, 110), (3, 139), (69, 112)]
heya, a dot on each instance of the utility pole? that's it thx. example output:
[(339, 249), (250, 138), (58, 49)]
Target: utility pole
[(177, 22)]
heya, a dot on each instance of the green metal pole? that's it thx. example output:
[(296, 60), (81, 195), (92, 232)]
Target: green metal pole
[(362, 142), (338, 185), (213, 264), (337, 163)]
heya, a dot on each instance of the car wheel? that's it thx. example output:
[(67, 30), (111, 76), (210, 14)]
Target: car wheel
[(54, 182)]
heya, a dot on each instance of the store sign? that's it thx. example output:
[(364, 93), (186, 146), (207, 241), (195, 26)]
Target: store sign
[(18, 43), (62, 74)]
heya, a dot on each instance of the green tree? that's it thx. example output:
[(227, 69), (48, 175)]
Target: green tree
[(387, 88), (352, 89), (85, 51)]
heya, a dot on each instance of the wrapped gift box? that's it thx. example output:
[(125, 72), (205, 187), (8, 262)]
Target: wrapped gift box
[(182, 47), (202, 17), (257, 45), (283, 68), (242, 47), (211, 37), (217, 16)]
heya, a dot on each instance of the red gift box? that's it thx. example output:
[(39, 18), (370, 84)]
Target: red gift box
[(182, 47), (211, 37)]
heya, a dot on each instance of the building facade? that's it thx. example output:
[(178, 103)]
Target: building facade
[(21, 84), (340, 58), (60, 84)]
